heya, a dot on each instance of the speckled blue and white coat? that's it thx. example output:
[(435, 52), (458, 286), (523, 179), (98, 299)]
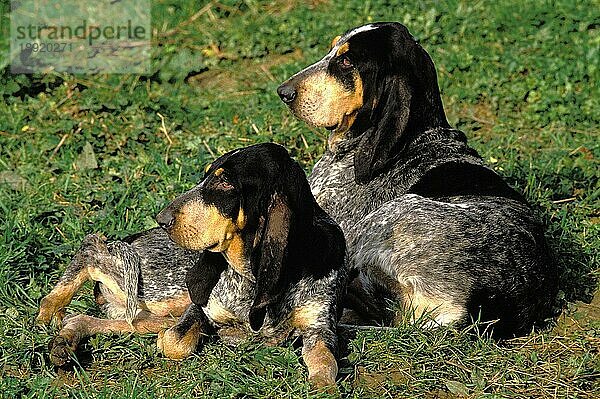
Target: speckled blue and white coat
[(433, 254)]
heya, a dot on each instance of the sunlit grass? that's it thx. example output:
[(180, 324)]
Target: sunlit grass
[(519, 78)]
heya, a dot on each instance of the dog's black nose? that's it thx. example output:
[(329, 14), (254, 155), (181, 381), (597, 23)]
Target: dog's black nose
[(165, 218), (287, 93)]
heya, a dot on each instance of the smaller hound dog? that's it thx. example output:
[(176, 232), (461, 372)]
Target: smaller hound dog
[(263, 260), (282, 258)]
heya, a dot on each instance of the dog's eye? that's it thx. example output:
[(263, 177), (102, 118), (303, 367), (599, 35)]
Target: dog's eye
[(345, 62), (224, 185)]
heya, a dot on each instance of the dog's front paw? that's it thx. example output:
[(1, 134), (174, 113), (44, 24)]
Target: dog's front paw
[(175, 345), (44, 317), (49, 312), (61, 349), (323, 382)]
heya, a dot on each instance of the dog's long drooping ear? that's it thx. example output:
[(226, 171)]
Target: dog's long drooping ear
[(407, 101), (273, 246), (204, 275), (379, 143)]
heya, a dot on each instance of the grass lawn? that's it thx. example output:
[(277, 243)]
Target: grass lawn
[(85, 153)]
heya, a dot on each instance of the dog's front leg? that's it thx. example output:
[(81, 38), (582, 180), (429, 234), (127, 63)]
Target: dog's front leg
[(317, 352), (181, 340)]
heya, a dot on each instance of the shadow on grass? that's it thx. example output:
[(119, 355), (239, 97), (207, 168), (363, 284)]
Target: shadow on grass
[(575, 267), (572, 252)]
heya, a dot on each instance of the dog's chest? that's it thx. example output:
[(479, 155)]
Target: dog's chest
[(335, 189), (231, 299), (228, 308), (332, 184)]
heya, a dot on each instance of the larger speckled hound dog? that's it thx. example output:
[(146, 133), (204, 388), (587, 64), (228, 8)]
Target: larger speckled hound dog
[(427, 222), (282, 258)]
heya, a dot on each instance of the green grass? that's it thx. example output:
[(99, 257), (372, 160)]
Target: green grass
[(520, 78)]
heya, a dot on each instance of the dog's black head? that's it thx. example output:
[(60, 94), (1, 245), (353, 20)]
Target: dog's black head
[(377, 86), (249, 205)]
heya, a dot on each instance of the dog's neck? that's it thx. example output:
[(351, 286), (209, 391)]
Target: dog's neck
[(337, 168), (241, 247), (237, 257), (349, 145), (344, 147)]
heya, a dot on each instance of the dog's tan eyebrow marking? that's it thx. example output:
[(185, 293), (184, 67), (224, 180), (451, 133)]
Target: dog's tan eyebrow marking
[(334, 41), (219, 172), (342, 49), (339, 41), (207, 167)]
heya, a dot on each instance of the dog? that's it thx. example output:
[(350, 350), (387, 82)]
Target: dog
[(282, 259), (140, 286), (428, 224), (249, 246)]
